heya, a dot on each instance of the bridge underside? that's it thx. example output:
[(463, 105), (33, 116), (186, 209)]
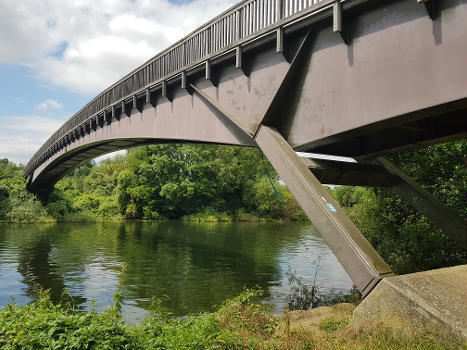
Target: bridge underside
[(398, 80)]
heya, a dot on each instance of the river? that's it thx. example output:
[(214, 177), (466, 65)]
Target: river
[(191, 267)]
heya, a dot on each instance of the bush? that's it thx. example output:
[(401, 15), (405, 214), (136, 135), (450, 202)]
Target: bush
[(24, 207)]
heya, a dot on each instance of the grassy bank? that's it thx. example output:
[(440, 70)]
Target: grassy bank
[(240, 323)]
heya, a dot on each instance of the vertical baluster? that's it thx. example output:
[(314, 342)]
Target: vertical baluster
[(213, 38), (230, 30), (247, 21), (267, 13), (216, 34), (238, 32), (216, 37), (200, 47), (221, 35), (169, 61), (182, 54), (222, 27), (224, 31), (257, 12), (202, 44), (252, 19), (242, 22), (233, 27), (191, 51), (162, 59), (172, 61), (157, 69), (208, 40), (260, 14), (271, 12), (278, 10), (178, 56)]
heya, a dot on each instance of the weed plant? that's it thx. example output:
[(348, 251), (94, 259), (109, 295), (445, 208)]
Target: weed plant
[(239, 323)]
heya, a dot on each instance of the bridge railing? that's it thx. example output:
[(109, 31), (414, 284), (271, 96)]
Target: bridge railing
[(241, 21)]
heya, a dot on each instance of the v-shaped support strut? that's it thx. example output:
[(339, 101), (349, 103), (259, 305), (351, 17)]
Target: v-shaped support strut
[(361, 261)]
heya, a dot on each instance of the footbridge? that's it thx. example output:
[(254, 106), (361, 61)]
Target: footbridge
[(354, 78)]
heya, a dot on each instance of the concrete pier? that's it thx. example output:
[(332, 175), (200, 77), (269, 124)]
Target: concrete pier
[(432, 301)]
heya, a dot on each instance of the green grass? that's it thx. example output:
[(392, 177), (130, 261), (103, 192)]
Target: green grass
[(330, 325)]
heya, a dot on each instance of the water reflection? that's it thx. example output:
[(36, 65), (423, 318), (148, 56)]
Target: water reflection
[(191, 267)]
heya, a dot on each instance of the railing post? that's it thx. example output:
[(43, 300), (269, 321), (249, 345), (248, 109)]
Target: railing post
[(280, 40), (148, 96), (337, 17)]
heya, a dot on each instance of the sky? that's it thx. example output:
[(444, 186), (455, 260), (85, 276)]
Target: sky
[(56, 55)]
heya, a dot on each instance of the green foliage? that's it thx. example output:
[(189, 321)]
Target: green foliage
[(24, 207), (240, 323), (17, 204), (194, 182), (43, 325), (403, 237)]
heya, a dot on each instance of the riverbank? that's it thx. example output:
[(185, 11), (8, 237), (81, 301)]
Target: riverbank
[(199, 217), (240, 323)]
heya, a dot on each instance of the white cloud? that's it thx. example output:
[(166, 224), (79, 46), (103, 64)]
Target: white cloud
[(86, 45), (49, 104), (110, 155), (21, 136)]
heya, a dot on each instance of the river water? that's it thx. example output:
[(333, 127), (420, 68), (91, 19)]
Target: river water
[(191, 267)]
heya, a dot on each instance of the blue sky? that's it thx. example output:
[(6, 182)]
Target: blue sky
[(56, 55)]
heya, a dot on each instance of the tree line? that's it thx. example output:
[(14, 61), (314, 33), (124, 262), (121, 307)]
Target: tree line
[(156, 182)]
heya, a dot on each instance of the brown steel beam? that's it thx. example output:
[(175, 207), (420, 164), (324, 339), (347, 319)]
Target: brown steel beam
[(361, 261), (282, 108), (350, 174), (428, 205)]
